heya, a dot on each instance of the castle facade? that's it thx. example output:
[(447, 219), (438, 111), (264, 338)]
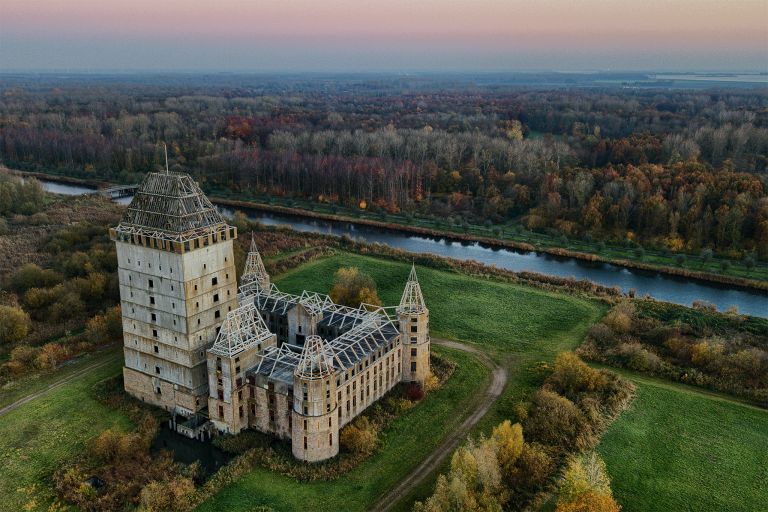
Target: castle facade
[(224, 357)]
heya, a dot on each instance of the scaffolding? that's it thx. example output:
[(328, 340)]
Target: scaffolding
[(254, 272), (170, 206), (316, 360), (412, 300), (242, 329)]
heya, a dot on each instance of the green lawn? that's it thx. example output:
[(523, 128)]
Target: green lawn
[(404, 444), (41, 435), (677, 449)]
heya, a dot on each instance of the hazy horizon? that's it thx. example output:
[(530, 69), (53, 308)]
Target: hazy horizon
[(384, 36)]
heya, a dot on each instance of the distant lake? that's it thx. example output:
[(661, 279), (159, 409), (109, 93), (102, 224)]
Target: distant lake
[(676, 289)]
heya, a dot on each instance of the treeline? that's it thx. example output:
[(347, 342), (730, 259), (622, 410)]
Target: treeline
[(683, 170)]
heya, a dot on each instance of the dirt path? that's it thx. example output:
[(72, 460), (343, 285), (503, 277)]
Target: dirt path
[(56, 384), (455, 438)]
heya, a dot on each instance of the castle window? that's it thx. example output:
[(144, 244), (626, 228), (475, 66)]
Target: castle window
[(157, 349), (305, 424), (221, 394), (305, 443), (414, 328), (154, 333), (413, 352), (330, 438), (154, 317), (221, 411), (157, 390), (173, 304), (215, 281), (240, 411), (305, 410), (217, 314), (151, 300), (413, 339), (237, 369), (253, 410), (413, 366), (215, 297), (328, 409), (240, 395), (157, 370)]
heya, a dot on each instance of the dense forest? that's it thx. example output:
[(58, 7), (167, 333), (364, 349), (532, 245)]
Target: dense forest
[(685, 170)]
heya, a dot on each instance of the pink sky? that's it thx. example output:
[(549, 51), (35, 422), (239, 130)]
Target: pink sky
[(491, 31)]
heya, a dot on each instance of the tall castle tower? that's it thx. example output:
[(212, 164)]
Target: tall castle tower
[(413, 317), (315, 420), (177, 284)]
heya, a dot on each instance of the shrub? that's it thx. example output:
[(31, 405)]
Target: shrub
[(105, 327), (415, 392), (360, 436), (638, 358), (602, 335), (14, 325), (556, 421), (572, 376), (169, 495)]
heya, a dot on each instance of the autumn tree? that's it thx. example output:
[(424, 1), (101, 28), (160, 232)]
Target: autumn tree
[(352, 287), (14, 325), (585, 486)]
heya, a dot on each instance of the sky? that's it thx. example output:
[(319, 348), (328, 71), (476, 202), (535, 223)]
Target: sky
[(384, 35)]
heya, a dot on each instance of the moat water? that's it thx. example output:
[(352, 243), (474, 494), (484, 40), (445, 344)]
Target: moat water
[(189, 451), (679, 290)]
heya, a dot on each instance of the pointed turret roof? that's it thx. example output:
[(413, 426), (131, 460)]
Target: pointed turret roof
[(412, 300), (316, 361), (242, 329), (254, 271), (171, 205)]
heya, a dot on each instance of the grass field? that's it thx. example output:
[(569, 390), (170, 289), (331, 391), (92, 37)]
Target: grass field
[(41, 435), (678, 449)]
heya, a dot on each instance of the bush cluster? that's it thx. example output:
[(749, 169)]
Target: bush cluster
[(699, 346)]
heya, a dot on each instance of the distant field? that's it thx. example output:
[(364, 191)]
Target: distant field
[(41, 435), (678, 449)]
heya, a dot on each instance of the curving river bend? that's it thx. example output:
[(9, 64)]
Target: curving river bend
[(666, 287)]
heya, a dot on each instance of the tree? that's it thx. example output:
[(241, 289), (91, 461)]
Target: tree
[(352, 287), (14, 325), (585, 486), (32, 276)]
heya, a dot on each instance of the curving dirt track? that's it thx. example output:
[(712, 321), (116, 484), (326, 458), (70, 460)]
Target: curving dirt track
[(454, 439)]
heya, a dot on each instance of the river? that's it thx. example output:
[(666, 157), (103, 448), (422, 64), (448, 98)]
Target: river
[(680, 290)]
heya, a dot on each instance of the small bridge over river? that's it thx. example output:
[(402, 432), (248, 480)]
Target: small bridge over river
[(117, 191)]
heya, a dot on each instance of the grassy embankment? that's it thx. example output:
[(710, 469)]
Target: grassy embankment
[(518, 326), (41, 435)]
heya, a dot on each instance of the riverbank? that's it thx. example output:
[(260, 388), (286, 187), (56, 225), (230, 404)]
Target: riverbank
[(497, 243), (487, 241)]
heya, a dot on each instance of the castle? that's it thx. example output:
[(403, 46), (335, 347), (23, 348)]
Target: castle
[(222, 357)]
